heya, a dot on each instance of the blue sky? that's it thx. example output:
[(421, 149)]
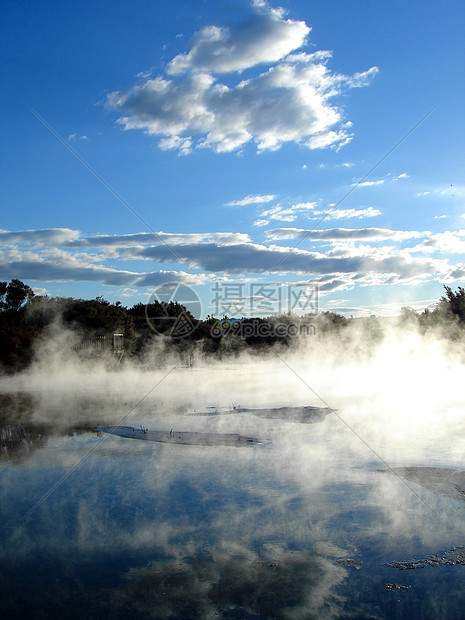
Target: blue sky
[(241, 134)]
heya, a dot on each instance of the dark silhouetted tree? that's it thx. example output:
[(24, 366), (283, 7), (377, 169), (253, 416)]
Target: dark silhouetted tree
[(453, 303), (14, 295)]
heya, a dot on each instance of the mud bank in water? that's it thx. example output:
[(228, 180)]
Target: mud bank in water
[(182, 437)]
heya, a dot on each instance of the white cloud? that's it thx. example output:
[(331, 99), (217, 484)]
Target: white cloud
[(368, 183), (452, 191), (264, 37), (390, 266), (67, 237), (339, 214), (169, 239), (73, 136), (344, 234), (288, 214), (336, 139), (39, 290), (63, 255), (289, 102), (308, 211), (144, 75), (353, 250), (375, 182), (251, 200), (183, 145), (279, 213), (53, 265), (447, 242), (47, 236)]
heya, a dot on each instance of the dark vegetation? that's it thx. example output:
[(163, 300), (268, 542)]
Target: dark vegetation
[(447, 317), (28, 320)]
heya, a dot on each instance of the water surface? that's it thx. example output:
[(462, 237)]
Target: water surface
[(309, 525)]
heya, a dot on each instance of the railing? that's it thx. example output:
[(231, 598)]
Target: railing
[(112, 344)]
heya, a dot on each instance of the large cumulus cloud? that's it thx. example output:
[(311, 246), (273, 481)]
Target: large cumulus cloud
[(290, 100)]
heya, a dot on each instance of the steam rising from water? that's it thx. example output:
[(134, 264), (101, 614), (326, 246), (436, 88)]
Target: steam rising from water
[(402, 394), (316, 493)]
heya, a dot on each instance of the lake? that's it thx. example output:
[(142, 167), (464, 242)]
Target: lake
[(359, 513)]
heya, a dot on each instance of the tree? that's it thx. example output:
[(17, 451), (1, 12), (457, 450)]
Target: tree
[(17, 335), (331, 322), (408, 316), (454, 303), (14, 295), (3, 290)]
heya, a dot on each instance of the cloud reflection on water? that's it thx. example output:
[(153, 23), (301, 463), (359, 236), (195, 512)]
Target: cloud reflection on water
[(204, 518), (278, 585)]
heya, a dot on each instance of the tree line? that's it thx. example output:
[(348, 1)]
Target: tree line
[(27, 320)]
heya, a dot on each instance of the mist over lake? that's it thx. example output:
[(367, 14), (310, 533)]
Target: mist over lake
[(321, 520)]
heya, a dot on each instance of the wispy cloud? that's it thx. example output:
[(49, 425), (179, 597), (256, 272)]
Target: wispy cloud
[(340, 214), (388, 178), (288, 214), (338, 234), (451, 191), (368, 183), (251, 200), (170, 239), (309, 211), (74, 136), (259, 223)]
